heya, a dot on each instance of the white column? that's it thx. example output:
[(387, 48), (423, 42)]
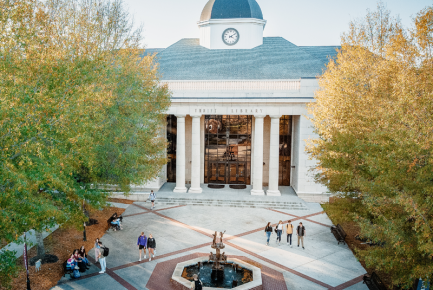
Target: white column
[(195, 155), (258, 157), (274, 157), (180, 155)]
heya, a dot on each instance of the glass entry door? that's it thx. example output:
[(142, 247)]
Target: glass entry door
[(228, 149), (237, 173)]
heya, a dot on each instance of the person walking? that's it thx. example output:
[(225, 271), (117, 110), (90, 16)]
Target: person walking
[(289, 232), (102, 261), (152, 198), (196, 284), (97, 247), (300, 231), (279, 230), (268, 232), (142, 244), (151, 247)]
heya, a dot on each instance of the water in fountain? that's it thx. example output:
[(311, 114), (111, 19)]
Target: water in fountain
[(229, 274), (217, 272)]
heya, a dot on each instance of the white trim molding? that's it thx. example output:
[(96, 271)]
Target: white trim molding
[(234, 85)]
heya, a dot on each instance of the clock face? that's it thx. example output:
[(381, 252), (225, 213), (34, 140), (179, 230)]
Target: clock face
[(230, 36)]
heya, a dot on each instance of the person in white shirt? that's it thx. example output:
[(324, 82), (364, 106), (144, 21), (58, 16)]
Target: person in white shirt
[(152, 198), (279, 229)]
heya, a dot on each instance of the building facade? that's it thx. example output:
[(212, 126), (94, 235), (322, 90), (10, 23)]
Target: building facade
[(238, 114)]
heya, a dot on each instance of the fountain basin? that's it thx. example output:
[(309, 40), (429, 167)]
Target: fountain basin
[(256, 273)]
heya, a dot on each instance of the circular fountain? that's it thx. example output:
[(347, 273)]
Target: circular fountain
[(218, 271)]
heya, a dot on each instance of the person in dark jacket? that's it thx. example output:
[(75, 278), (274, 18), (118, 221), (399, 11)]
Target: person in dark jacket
[(300, 231), (268, 232), (142, 244), (83, 255), (151, 247)]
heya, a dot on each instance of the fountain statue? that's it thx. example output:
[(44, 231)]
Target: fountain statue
[(218, 258), (218, 271)]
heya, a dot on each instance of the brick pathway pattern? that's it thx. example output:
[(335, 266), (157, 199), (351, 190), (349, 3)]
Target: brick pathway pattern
[(184, 232)]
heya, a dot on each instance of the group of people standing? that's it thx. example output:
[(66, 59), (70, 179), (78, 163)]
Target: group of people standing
[(288, 228), (100, 254), (144, 243)]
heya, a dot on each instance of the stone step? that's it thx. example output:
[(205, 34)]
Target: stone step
[(232, 203), (164, 199), (293, 207), (229, 202)]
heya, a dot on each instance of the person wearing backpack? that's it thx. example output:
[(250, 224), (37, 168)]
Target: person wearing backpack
[(289, 232), (103, 252), (152, 197), (196, 284)]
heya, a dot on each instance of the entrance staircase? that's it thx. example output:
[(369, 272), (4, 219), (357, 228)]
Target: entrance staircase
[(290, 205)]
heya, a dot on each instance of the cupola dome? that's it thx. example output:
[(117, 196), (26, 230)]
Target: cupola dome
[(230, 9)]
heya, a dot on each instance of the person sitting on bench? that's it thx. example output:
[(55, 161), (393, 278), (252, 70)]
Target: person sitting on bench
[(116, 221), (70, 264), (82, 253)]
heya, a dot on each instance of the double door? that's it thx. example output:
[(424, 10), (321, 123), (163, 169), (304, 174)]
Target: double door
[(227, 172)]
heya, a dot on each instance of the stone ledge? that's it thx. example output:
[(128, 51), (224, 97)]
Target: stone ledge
[(257, 274)]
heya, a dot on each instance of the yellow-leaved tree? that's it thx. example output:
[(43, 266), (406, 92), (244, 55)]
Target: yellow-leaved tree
[(373, 114)]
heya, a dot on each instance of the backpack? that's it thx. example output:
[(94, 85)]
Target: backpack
[(76, 274), (106, 251), (198, 285)]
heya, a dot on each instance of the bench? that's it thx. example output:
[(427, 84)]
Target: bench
[(339, 234), (66, 270), (417, 284), (373, 282)]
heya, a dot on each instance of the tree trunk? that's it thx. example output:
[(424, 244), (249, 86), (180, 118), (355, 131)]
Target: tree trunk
[(40, 246)]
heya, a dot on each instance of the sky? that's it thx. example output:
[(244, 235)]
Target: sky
[(302, 22)]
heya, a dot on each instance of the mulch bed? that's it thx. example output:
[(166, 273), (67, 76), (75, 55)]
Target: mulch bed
[(120, 200), (61, 243)]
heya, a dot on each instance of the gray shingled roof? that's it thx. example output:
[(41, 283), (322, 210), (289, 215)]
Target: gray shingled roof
[(277, 58), (153, 50), (322, 53)]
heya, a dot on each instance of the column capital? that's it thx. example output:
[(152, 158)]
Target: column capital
[(259, 116), (275, 116), (180, 115), (195, 115)]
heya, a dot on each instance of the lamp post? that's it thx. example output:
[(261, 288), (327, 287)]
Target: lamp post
[(26, 262), (84, 225)]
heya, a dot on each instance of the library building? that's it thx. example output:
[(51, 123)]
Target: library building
[(238, 112)]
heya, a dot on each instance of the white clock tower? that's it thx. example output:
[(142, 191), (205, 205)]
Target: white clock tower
[(231, 24)]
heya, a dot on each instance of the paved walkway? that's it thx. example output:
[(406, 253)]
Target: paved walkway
[(184, 232)]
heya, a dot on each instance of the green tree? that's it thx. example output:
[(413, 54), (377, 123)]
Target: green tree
[(373, 114), (131, 143), (8, 268), (67, 69)]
